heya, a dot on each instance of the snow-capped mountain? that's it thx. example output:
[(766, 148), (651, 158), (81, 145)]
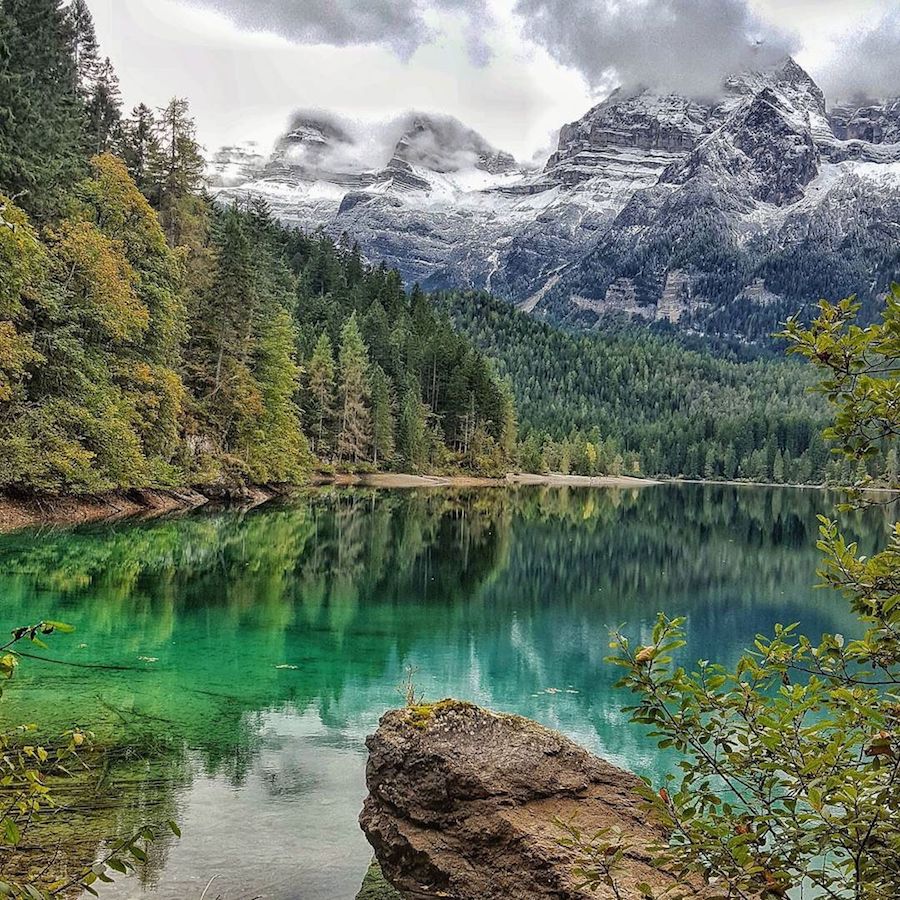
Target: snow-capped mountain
[(718, 216)]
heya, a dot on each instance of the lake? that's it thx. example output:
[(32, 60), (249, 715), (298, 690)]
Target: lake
[(234, 662)]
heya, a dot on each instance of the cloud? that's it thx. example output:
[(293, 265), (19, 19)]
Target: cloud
[(684, 46), (866, 62), (402, 26), (323, 142)]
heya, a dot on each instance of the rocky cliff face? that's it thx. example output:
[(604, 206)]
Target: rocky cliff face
[(465, 804), (761, 184), (870, 123)]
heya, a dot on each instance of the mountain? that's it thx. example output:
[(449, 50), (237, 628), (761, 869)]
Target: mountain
[(717, 217)]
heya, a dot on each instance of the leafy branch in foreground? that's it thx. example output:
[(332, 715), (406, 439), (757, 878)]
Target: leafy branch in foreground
[(790, 762), (26, 772)]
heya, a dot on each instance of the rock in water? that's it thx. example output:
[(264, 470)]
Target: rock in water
[(464, 804)]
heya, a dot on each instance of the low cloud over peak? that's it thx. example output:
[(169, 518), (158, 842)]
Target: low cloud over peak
[(325, 142), (867, 66), (681, 46)]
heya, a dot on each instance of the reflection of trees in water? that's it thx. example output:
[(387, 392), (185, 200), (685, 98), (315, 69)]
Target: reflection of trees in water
[(506, 592), (127, 787)]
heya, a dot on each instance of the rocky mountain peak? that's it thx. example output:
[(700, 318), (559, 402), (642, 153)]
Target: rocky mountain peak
[(636, 126), (443, 144), (309, 140), (871, 121), (713, 215)]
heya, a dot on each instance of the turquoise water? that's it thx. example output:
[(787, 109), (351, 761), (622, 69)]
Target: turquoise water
[(245, 656)]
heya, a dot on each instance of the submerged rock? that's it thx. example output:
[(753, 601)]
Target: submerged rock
[(465, 804)]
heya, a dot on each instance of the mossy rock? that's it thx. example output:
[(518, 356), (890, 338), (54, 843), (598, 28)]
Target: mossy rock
[(375, 886), (419, 716)]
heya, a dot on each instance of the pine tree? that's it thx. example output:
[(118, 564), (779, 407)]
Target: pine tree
[(181, 165), (890, 466), (276, 449), (413, 431), (508, 425), (355, 433), (730, 463), (86, 50), (222, 337), (104, 109), (141, 150), (778, 468), (709, 467), (42, 143), (320, 372), (382, 417)]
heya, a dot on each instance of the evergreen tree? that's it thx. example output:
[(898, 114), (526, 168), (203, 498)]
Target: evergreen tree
[(85, 49), (355, 431), (181, 166), (222, 339), (41, 117), (322, 393), (412, 435), (508, 425), (890, 466), (141, 150), (778, 468), (382, 416), (104, 109), (277, 449)]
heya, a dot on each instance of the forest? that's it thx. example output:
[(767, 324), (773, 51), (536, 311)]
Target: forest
[(150, 336), (659, 406)]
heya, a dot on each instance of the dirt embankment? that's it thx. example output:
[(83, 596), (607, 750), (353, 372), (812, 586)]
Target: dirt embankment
[(19, 511), (23, 510)]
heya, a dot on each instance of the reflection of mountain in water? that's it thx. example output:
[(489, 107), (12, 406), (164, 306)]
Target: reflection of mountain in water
[(261, 647)]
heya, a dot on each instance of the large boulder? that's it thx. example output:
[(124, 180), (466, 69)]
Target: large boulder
[(466, 804)]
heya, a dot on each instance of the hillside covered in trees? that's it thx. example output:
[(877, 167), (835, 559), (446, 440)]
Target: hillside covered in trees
[(656, 404), (151, 337)]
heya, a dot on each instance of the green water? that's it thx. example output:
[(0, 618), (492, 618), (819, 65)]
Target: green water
[(258, 649)]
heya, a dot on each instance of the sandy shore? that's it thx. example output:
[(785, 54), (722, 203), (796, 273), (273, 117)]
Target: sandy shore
[(392, 480)]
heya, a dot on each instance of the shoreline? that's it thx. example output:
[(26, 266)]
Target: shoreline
[(31, 510), (23, 511), (399, 480), (774, 484)]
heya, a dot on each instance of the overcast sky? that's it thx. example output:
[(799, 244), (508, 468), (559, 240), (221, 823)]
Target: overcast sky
[(515, 70)]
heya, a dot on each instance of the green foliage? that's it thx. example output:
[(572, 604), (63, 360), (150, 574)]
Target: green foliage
[(413, 440), (41, 115), (177, 173), (149, 337), (321, 392), (791, 770), (598, 857), (355, 431), (277, 447), (28, 771), (643, 398), (383, 444), (104, 109)]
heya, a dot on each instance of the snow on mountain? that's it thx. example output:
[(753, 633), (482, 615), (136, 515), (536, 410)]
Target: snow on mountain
[(662, 208)]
